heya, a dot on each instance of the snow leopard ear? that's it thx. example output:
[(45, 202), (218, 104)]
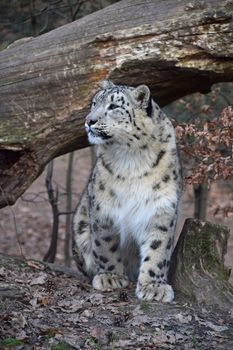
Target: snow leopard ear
[(142, 95), (106, 84)]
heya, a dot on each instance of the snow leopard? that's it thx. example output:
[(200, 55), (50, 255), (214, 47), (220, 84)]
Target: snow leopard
[(124, 225)]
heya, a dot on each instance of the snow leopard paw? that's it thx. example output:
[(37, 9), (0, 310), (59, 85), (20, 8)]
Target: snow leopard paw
[(109, 281), (153, 291)]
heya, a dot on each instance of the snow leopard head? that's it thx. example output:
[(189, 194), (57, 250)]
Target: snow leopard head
[(117, 111)]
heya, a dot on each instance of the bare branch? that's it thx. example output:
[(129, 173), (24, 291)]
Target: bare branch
[(67, 249), (15, 225), (53, 199)]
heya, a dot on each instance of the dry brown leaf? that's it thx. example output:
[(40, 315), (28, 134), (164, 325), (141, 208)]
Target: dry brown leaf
[(100, 334), (40, 279), (35, 264), (70, 306), (44, 301)]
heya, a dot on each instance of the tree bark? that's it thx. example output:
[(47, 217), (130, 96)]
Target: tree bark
[(53, 201), (197, 269), (46, 83), (200, 192)]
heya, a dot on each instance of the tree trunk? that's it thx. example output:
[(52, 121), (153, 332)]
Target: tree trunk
[(46, 83), (200, 192), (197, 270)]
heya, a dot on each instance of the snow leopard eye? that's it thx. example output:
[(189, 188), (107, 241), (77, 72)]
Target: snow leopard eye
[(112, 106)]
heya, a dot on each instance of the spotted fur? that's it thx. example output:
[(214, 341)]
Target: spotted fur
[(124, 225)]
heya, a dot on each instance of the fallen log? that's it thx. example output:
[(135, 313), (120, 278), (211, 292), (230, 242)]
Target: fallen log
[(46, 83)]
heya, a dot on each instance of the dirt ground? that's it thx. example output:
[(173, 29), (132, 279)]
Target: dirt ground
[(43, 309), (25, 227)]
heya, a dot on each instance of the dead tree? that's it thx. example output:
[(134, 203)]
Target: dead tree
[(197, 268), (177, 48)]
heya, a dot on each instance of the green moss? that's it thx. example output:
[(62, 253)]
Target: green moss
[(202, 247), (61, 346), (195, 341), (229, 7), (51, 333), (93, 343), (10, 263), (14, 131), (84, 90), (2, 306), (23, 264), (4, 45), (6, 262), (145, 306), (10, 342), (116, 336)]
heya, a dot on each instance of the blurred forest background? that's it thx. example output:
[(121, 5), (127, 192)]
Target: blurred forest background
[(204, 132)]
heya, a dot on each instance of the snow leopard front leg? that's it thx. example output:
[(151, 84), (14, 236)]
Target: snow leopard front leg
[(82, 243), (106, 251), (155, 254), (96, 246)]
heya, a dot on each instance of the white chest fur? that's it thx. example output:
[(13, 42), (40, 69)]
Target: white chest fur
[(132, 203)]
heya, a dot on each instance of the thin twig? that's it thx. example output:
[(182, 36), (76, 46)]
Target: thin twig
[(66, 212), (14, 221), (67, 249), (53, 200), (76, 10)]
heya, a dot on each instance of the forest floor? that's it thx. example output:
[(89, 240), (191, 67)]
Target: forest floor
[(45, 309)]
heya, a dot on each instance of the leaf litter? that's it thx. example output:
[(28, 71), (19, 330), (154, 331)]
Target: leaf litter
[(52, 310)]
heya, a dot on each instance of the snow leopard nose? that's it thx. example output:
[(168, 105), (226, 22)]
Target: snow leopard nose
[(90, 120)]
